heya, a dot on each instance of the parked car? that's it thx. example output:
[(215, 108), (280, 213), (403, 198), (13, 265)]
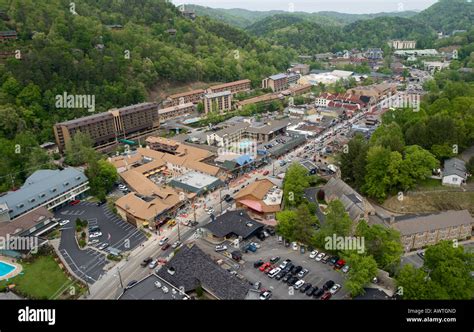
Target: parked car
[(305, 287), (334, 289), (176, 244), (153, 264), (320, 256), (311, 290), (74, 202), (274, 272), (257, 285), (266, 173), (103, 246), (165, 246), (95, 235), (258, 263), (339, 264), (325, 259), (256, 245), (94, 241), (326, 296), (299, 284), (280, 275), (292, 281), (63, 222), (294, 246), (285, 263), (333, 260), (274, 260), (302, 249), (266, 295), (313, 254), (163, 241), (220, 248), (303, 272), (421, 254), (146, 261), (251, 248), (271, 231), (286, 278), (297, 270), (345, 269), (264, 266), (318, 293), (328, 285), (268, 269)]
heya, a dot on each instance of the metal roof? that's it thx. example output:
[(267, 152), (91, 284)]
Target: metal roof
[(41, 187)]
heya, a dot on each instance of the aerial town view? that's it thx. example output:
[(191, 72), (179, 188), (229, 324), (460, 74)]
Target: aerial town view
[(237, 150)]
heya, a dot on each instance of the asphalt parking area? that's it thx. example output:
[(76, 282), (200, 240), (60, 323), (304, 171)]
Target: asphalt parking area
[(87, 264), (318, 274), (115, 232)]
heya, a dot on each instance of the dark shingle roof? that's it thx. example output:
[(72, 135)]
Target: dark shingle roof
[(235, 222), (192, 267)]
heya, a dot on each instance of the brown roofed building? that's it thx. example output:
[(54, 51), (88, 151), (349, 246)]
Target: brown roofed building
[(176, 111), (107, 128), (262, 200), (418, 231), (193, 96), (233, 87)]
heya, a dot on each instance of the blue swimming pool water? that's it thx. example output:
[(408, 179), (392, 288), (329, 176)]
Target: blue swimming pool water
[(5, 269)]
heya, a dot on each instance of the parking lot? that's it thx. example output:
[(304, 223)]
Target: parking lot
[(88, 264), (318, 274)]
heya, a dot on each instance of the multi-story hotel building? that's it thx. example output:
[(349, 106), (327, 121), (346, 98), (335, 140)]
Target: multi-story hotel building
[(218, 102), (277, 83), (194, 96), (107, 128), (233, 87), (175, 111)]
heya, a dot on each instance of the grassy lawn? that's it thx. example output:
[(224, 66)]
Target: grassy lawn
[(42, 279), (430, 184), (432, 202)]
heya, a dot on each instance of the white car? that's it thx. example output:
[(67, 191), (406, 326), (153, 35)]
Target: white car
[(266, 295), (157, 284), (221, 248), (294, 245), (255, 244), (91, 242), (95, 235), (274, 272), (298, 284), (345, 269), (313, 254), (103, 246), (320, 256), (163, 241), (334, 289), (210, 211), (176, 244), (63, 222), (153, 264)]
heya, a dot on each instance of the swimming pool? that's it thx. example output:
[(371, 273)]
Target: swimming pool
[(5, 269)]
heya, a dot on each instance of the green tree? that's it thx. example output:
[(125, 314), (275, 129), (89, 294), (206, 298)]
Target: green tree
[(382, 243), (102, 177), (363, 269)]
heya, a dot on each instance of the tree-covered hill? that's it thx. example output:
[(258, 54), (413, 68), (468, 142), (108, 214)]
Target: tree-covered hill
[(73, 51), (448, 15)]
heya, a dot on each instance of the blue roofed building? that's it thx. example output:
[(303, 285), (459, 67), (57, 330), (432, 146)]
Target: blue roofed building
[(46, 188)]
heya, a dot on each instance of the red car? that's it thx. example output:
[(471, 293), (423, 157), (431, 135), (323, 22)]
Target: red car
[(264, 266), (165, 246), (339, 264), (326, 296), (268, 269), (266, 172), (74, 202)]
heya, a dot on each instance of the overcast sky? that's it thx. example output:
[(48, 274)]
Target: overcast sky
[(343, 6)]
